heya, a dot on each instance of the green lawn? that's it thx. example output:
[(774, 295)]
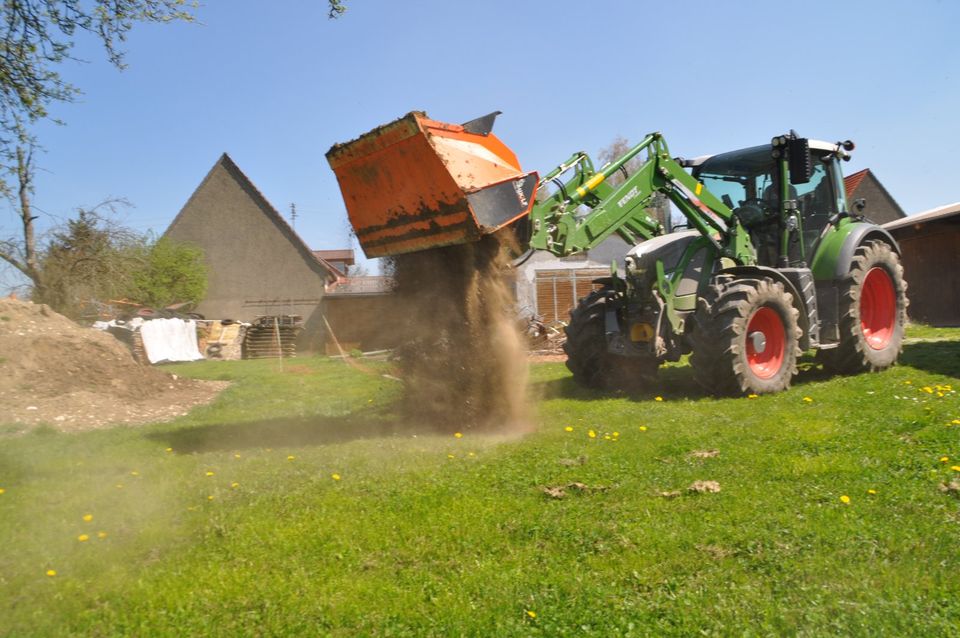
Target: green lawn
[(297, 505)]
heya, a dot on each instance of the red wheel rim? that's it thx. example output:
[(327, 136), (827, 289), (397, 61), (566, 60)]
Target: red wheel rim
[(766, 343), (878, 308)]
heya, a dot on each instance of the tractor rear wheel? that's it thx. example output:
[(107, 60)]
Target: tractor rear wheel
[(745, 338), (873, 311), (588, 358)]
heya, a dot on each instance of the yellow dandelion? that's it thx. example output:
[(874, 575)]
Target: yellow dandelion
[(210, 498), (752, 396), (606, 437), (927, 389), (807, 400), (236, 456), (291, 457), (134, 473), (51, 572), (119, 486), (643, 428), (944, 459), (955, 422), (871, 492), (845, 499), (87, 518), (451, 456), (169, 449), (616, 434), (940, 394), (209, 473), (335, 477), (471, 454), (2, 491), (908, 382), (592, 434), (531, 613), (955, 468), (658, 398), (101, 535), (83, 538), (234, 485), (568, 429), (458, 435)]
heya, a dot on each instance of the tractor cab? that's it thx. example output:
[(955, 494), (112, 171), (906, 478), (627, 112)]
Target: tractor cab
[(748, 182)]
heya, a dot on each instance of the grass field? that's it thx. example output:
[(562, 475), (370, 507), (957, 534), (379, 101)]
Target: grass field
[(297, 505)]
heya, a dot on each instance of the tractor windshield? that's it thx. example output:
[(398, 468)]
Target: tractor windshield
[(740, 176), (750, 175)]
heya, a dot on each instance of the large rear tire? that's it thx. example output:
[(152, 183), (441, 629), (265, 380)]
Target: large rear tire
[(873, 312), (594, 366), (745, 338)]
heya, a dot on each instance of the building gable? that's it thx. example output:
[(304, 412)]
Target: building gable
[(257, 263), (881, 206)]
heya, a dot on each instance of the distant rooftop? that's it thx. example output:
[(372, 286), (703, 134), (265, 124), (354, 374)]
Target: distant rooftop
[(941, 212), (850, 182), (340, 254)]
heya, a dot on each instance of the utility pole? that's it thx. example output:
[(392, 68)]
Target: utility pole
[(293, 216)]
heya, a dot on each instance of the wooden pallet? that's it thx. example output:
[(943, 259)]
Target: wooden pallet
[(261, 340)]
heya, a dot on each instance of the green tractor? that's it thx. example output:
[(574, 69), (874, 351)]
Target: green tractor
[(772, 263)]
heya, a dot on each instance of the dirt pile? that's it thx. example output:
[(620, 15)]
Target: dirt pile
[(463, 363), (55, 371)]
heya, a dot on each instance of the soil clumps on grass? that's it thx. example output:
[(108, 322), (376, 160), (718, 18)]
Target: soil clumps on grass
[(57, 372), (462, 359)]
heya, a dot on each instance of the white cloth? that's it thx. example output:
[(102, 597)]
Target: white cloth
[(170, 340)]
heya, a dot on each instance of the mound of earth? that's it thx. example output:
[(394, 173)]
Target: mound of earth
[(57, 372)]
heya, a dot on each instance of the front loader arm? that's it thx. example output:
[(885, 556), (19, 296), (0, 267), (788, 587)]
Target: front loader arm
[(560, 226)]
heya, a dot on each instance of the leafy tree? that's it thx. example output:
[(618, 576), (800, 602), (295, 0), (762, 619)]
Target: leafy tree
[(172, 272), (92, 259), (38, 35), (88, 259), (35, 37), (22, 254)]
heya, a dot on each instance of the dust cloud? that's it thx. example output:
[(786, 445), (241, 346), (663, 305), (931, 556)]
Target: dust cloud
[(462, 358)]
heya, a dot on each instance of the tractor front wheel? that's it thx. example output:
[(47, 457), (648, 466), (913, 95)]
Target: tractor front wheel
[(592, 365), (745, 338), (873, 311)]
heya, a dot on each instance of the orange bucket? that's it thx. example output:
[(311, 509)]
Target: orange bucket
[(417, 183)]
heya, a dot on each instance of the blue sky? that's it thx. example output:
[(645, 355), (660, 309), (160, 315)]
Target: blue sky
[(275, 84)]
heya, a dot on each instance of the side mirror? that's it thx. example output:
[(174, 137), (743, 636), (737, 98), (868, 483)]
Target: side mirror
[(799, 161)]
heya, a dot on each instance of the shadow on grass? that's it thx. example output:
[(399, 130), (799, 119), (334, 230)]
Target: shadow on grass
[(938, 357), (284, 432), (672, 382)]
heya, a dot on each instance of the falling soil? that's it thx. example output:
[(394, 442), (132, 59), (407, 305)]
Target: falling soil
[(462, 362)]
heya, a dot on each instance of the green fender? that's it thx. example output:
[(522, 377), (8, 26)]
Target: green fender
[(835, 251)]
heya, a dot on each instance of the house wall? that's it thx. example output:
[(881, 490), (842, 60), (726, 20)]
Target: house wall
[(364, 322), (255, 267), (931, 266), (881, 207), (550, 287)]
